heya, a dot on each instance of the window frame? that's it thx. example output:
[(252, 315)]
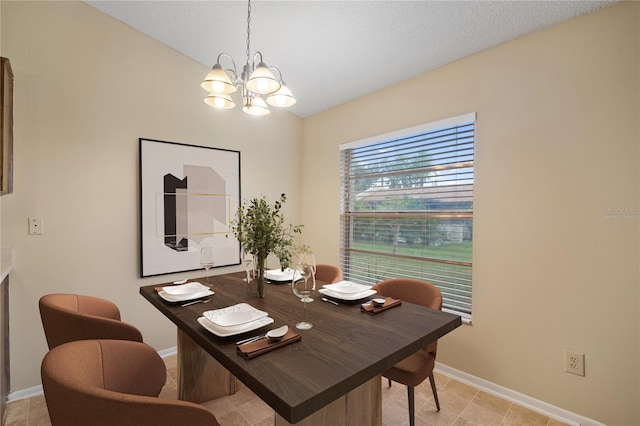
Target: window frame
[(441, 220)]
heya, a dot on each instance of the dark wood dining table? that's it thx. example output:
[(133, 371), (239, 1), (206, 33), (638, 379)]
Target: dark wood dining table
[(330, 376)]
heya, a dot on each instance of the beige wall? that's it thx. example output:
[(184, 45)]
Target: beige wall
[(86, 88), (557, 141)]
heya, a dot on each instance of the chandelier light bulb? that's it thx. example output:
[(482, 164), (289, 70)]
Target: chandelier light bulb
[(219, 101), (282, 98), (217, 86), (255, 105), (262, 81), (217, 81)]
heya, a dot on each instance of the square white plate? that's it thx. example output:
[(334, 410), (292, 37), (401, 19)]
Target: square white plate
[(347, 296), (230, 316), (347, 287), (188, 288), (185, 297), (232, 331), (279, 275)]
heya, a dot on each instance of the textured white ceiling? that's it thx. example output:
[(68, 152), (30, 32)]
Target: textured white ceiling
[(331, 52)]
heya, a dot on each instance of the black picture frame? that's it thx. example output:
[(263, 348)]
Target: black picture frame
[(188, 197)]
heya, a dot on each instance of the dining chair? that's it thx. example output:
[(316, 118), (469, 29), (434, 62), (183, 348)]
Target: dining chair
[(414, 369), (69, 317), (328, 273), (112, 382)]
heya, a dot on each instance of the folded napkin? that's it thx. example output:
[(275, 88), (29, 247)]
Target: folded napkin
[(389, 303), (262, 346)]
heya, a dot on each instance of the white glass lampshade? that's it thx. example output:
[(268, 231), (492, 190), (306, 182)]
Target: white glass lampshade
[(282, 98), (220, 101), (262, 81), (217, 81), (255, 105)]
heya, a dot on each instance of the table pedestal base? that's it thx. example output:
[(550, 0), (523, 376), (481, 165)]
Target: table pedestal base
[(361, 406), (200, 377)]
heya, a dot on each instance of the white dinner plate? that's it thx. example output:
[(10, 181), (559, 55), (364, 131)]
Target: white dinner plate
[(347, 296), (230, 316), (347, 287), (188, 288), (237, 329), (280, 275), (185, 297)]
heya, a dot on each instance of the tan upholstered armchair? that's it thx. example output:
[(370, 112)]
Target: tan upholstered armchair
[(112, 382), (414, 369), (70, 317), (328, 273)]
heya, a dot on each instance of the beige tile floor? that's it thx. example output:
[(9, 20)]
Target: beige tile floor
[(460, 405)]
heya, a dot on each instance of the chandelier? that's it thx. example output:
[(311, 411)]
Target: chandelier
[(256, 83)]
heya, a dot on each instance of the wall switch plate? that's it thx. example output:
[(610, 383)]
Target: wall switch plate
[(574, 362), (35, 226)]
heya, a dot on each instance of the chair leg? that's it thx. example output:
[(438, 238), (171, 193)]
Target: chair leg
[(412, 417), (433, 389)]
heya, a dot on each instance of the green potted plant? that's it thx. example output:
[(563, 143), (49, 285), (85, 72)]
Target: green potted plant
[(261, 230)]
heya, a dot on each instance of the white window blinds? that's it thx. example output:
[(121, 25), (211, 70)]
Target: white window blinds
[(407, 208)]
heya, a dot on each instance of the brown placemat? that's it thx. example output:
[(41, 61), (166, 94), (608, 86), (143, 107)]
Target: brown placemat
[(262, 346), (388, 304)]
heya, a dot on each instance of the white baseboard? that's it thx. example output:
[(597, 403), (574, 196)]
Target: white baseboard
[(37, 390), (532, 404), (25, 393), (165, 353)]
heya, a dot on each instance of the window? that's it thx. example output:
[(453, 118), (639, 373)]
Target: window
[(407, 208)]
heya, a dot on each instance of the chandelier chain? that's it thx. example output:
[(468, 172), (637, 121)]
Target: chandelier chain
[(248, 29)]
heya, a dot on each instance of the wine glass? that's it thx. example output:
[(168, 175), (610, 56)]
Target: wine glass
[(303, 284), (247, 260), (207, 259)]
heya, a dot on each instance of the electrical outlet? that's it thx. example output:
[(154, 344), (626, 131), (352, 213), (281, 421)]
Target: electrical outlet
[(574, 362), (35, 226)]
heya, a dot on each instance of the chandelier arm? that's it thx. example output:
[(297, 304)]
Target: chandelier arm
[(253, 63), (232, 76), (279, 73), (226, 55), (231, 72)]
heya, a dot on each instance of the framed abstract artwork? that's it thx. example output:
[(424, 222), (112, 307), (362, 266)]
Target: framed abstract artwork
[(188, 197)]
